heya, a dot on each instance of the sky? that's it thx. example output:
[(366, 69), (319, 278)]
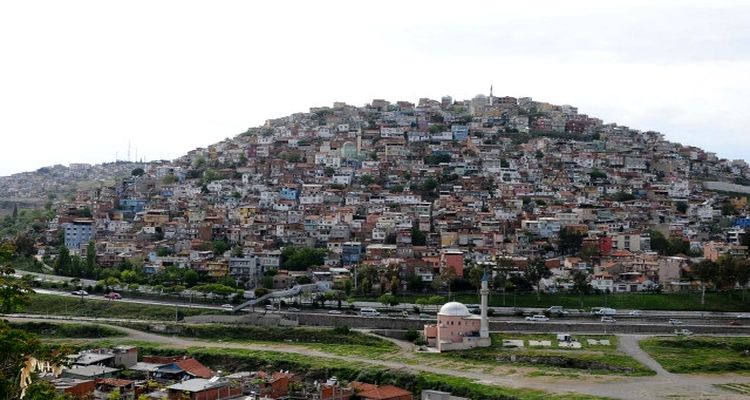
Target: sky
[(80, 81)]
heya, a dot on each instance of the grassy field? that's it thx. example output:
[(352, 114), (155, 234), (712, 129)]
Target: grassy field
[(700, 354), (723, 301), (73, 306), (332, 340), (67, 330), (316, 368), (555, 360)]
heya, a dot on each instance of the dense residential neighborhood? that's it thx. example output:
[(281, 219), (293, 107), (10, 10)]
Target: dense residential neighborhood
[(395, 197)]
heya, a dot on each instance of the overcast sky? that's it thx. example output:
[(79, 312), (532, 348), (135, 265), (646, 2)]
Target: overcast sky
[(81, 79)]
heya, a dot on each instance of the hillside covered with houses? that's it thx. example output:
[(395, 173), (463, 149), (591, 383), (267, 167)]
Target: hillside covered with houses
[(398, 196)]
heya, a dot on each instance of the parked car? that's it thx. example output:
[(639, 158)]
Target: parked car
[(334, 312), (635, 313), (227, 306), (608, 320), (682, 332), (537, 318), (292, 309), (675, 322), (79, 293), (113, 296), (743, 316), (558, 311)]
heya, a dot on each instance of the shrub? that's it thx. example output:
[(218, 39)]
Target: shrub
[(412, 335)]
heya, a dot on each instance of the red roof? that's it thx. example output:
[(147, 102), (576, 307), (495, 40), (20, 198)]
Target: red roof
[(374, 392), (193, 367)]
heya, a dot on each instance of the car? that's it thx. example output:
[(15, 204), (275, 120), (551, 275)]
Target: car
[(558, 311), (735, 323), (292, 309), (334, 312), (743, 316), (227, 306), (426, 316), (269, 307), (608, 320), (635, 313), (368, 312), (675, 322), (682, 332), (537, 318), (79, 293), (604, 311), (113, 296)]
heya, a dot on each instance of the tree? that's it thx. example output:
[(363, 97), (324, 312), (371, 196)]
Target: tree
[(681, 207), (91, 256), (570, 241), (13, 292), (581, 285), (301, 259), (418, 237), (191, 277), (388, 300), (137, 172), (447, 276), (705, 271), (62, 263), (535, 272), (742, 274)]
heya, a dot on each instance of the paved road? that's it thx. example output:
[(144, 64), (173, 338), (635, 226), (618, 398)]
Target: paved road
[(663, 385)]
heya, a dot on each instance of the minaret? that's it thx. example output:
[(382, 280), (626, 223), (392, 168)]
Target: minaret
[(484, 326), (490, 95)]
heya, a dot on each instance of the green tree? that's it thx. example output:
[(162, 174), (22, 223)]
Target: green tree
[(705, 271), (91, 256), (191, 277), (570, 241), (535, 272), (581, 285), (137, 172), (681, 207), (62, 263), (13, 292), (301, 259), (388, 300)]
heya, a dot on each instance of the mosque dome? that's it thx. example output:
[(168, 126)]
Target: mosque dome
[(454, 309)]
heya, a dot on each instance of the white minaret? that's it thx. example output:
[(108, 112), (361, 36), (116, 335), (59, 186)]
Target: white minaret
[(490, 95), (484, 325)]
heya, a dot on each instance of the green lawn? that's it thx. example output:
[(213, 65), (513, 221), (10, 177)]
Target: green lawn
[(594, 359), (332, 340), (67, 330), (321, 368), (700, 354), (723, 301), (47, 304)]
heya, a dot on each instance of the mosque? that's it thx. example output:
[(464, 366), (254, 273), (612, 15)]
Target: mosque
[(457, 328)]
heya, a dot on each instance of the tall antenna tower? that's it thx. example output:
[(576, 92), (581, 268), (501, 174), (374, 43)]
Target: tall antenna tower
[(128, 150)]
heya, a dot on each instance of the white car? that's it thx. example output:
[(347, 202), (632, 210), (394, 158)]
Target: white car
[(743, 316), (227, 306), (334, 312), (675, 322), (537, 318), (292, 309), (682, 332), (635, 313), (608, 320), (79, 293)]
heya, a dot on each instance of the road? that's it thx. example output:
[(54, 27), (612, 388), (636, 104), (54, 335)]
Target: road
[(663, 385)]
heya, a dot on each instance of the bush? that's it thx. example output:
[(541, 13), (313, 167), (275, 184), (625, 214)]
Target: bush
[(342, 330), (412, 335)]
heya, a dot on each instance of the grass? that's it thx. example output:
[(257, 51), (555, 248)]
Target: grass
[(699, 354), (66, 330), (721, 301), (599, 360), (46, 304), (341, 341), (318, 368)]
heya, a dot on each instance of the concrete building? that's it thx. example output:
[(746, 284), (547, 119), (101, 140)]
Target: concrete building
[(78, 233), (457, 328)]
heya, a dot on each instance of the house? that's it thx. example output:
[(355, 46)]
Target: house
[(367, 391), (203, 389)]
